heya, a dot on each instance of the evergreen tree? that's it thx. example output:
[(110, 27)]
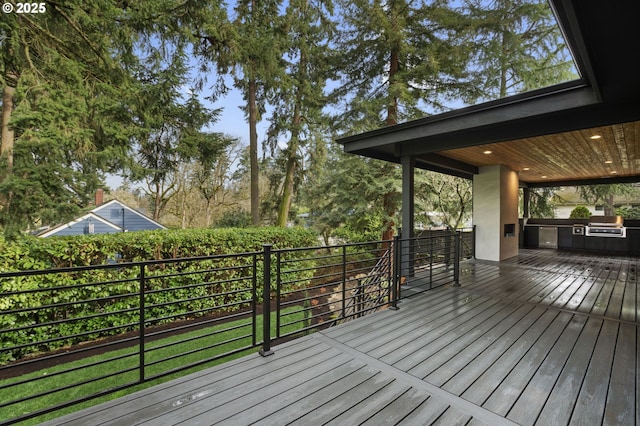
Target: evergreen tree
[(260, 64), (395, 57), (298, 102), (352, 192), (63, 121), (517, 46), (170, 128)]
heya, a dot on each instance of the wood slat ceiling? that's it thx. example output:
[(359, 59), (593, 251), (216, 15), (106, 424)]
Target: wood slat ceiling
[(565, 156)]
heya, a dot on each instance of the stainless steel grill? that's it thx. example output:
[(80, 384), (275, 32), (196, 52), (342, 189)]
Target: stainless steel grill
[(606, 226)]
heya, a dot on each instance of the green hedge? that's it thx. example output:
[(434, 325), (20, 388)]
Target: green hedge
[(82, 250), (95, 304)]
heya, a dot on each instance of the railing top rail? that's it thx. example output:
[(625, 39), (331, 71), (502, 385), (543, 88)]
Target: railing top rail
[(330, 246), (120, 265)]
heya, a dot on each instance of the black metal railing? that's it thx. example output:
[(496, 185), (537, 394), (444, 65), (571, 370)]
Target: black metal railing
[(77, 334)]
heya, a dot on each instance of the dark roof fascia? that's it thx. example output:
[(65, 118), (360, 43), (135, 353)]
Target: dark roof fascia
[(448, 166), (460, 168), (580, 182), (569, 25), (438, 129)]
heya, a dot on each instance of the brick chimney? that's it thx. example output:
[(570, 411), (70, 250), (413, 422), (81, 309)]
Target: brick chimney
[(99, 196)]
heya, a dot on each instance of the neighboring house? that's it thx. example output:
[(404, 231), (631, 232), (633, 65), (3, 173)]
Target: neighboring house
[(108, 218), (569, 199)]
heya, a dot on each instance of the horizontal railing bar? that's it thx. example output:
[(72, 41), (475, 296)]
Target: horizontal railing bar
[(68, 404), (70, 336), (36, 360), (123, 265), (62, 305), (200, 323), (338, 246), (201, 362), (200, 284), (287, 294), (67, 387), (193, 299), (49, 375), (67, 288), (194, 338), (182, 314), (199, 271), (202, 349)]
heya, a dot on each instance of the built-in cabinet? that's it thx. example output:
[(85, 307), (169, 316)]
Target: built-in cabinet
[(568, 241), (565, 237)]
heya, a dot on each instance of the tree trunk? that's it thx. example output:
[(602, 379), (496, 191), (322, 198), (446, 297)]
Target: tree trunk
[(157, 201), (392, 118), (7, 141), (609, 209), (392, 107), (287, 190), (208, 213), (253, 153)]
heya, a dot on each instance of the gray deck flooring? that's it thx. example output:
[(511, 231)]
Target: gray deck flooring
[(545, 338)]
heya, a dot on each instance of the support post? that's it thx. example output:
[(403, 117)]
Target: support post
[(408, 209), (266, 303)]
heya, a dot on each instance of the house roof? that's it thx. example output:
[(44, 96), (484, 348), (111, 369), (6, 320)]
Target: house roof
[(135, 212), (91, 215), (543, 134)]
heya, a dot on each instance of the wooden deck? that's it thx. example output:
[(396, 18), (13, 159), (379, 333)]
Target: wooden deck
[(545, 338)]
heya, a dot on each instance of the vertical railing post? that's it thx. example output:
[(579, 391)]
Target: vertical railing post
[(447, 250), (431, 238), (473, 241), (359, 304), (344, 281), (456, 259), (254, 298), (278, 290), (142, 323), (266, 302), (395, 285)]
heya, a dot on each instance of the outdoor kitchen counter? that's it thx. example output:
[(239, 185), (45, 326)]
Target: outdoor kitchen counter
[(559, 234)]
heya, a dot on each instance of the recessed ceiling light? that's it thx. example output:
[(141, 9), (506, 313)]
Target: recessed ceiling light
[(608, 162), (613, 172), (525, 168), (595, 137), (487, 152), (544, 177)]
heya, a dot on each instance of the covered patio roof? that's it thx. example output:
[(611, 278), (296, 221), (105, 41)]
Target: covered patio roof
[(545, 135)]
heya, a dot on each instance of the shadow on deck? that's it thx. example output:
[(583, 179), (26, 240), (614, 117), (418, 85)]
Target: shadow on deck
[(546, 338)]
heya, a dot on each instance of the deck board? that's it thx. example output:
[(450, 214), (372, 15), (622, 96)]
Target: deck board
[(620, 404), (541, 335), (562, 399), (544, 338), (593, 393)]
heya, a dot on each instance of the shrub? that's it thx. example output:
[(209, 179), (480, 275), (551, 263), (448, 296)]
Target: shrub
[(580, 212)]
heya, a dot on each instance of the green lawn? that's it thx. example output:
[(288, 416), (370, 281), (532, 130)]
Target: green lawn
[(164, 355)]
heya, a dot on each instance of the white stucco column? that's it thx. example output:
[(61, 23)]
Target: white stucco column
[(495, 213)]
